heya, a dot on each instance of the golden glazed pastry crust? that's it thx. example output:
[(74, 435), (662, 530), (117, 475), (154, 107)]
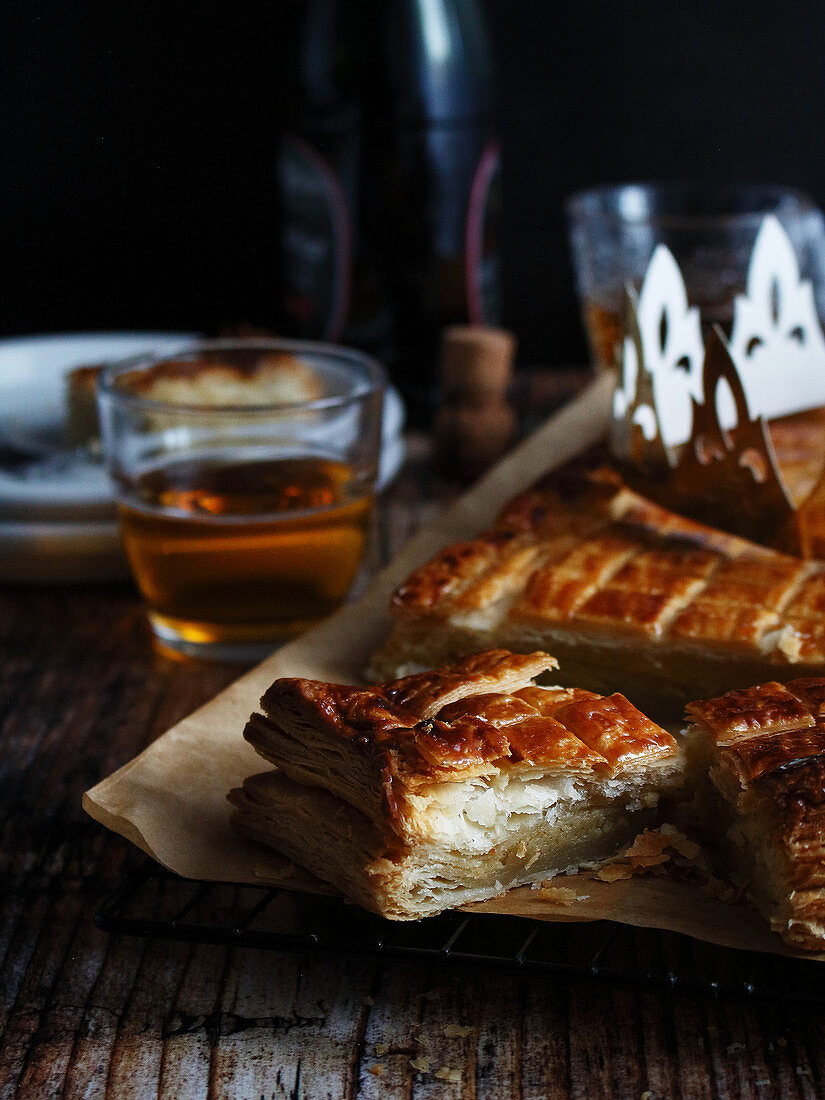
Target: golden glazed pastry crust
[(799, 444), (627, 595), (765, 747), (449, 786)]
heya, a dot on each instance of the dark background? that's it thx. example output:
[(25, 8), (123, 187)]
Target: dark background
[(136, 143)]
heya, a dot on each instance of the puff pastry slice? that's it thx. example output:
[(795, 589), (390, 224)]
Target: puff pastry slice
[(447, 787)]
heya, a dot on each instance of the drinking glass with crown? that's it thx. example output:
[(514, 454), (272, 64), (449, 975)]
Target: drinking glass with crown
[(725, 422)]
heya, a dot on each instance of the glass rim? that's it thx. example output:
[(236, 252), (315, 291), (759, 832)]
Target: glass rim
[(374, 382), (589, 203)]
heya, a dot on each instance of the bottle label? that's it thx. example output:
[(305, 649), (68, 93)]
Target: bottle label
[(481, 244), (315, 241)]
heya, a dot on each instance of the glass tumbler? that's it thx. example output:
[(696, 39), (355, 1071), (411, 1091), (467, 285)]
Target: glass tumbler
[(244, 474), (710, 229)]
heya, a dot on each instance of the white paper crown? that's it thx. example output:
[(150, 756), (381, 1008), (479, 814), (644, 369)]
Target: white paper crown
[(693, 415)]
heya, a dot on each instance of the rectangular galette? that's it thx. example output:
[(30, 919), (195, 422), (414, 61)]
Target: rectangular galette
[(627, 595)]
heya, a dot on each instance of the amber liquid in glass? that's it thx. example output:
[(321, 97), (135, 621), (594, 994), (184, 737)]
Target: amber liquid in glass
[(604, 331), (605, 328), (243, 552)]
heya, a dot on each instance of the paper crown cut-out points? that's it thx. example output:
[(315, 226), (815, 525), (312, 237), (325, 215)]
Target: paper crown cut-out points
[(690, 416)]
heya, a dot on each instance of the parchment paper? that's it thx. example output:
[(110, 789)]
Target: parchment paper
[(171, 800)]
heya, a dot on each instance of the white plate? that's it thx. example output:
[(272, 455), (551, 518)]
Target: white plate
[(73, 485)]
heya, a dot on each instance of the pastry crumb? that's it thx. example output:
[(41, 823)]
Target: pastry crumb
[(421, 1064), (649, 851), (613, 872), (378, 1070), (564, 894), (447, 1074), (381, 1048), (457, 1031)]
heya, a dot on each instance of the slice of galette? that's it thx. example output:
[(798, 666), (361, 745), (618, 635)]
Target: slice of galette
[(450, 786)]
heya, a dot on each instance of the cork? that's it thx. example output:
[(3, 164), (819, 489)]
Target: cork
[(475, 425), (476, 361)]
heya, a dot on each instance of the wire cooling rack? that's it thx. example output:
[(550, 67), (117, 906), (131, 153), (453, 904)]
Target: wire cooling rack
[(156, 904)]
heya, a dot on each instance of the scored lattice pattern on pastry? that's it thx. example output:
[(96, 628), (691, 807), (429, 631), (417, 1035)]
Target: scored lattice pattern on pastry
[(477, 713), (612, 561), (556, 728)]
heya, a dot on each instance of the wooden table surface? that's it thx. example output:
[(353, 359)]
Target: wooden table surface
[(83, 1013)]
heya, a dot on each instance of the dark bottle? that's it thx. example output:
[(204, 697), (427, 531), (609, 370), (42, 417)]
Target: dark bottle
[(325, 275), (436, 170), (389, 184)]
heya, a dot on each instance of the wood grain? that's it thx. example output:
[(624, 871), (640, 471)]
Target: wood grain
[(87, 1014)]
